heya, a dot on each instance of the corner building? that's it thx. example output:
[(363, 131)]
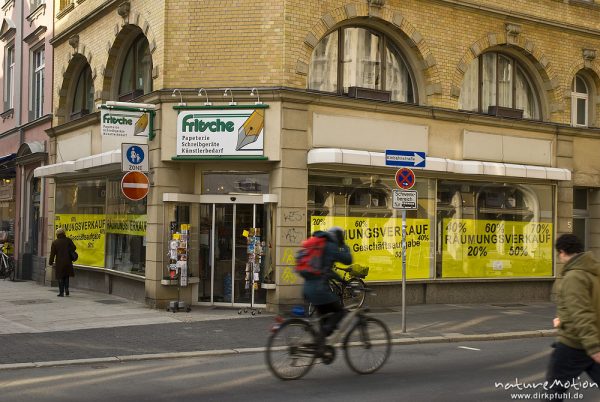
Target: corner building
[(269, 120)]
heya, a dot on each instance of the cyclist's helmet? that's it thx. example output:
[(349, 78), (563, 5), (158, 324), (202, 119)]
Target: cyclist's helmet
[(337, 233)]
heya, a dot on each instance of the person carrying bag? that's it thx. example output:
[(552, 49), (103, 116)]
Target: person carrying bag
[(62, 255)]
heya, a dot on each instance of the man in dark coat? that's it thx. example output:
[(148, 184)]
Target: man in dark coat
[(61, 251), (317, 290), (578, 318)]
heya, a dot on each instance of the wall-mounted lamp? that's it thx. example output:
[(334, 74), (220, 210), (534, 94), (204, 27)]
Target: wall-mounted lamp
[(254, 92), (174, 95), (232, 103), (202, 90)]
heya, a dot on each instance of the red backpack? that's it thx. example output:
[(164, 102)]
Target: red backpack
[(309, 259)]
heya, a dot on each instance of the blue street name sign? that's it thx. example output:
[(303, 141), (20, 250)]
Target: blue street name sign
[(405, 158)]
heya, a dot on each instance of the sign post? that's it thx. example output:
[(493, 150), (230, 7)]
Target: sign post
[(403, 200)]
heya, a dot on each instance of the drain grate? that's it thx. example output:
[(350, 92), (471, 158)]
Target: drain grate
[(510, 305), (110, 301), (35, 301)]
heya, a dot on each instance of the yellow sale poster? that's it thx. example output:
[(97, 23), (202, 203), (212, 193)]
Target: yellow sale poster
[(134, 225), (377, 244), (88, 233), (483, 249)]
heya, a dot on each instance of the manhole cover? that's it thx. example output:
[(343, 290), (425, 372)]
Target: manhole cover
[(26, 302), (110, 301), (509, 305)]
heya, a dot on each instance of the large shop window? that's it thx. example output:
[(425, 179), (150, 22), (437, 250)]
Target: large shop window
[(361, 204), (359, 57), (498, 84), (108, 230), (460, 229)]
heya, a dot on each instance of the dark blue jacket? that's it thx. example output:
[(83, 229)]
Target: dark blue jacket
[(316, 290)]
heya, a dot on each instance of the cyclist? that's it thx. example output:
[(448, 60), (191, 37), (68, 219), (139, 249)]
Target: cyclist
[(317, 290)]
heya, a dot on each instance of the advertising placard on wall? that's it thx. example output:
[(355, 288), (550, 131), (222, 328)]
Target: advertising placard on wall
[(377, 243), (119, 123), (88, 233), (482, 248), (220, 132)]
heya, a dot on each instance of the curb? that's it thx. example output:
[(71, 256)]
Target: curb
[(224, 352)]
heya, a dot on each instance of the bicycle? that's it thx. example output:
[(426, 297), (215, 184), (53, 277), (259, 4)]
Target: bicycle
[(351, 291), (293, 346), (7, 266)]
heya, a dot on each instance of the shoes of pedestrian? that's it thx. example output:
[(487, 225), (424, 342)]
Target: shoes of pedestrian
[(66, 293), (60, 295)]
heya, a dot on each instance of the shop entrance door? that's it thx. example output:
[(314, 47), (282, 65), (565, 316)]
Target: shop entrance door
[(231, 265)]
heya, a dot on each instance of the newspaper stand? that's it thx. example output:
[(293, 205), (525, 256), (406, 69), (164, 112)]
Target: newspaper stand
[(178, 268), (255, 253)]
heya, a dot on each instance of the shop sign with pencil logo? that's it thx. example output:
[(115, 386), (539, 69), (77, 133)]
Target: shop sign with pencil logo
[(120, 123), (226, 132)]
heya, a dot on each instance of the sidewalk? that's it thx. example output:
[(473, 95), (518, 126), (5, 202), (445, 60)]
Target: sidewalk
[(37, 328)]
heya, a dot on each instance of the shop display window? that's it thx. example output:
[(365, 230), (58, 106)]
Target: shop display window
[(494, 230), (108, 230), (470, 230), (362, 205), (125, 231)]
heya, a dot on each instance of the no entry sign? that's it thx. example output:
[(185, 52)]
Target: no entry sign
[(135, 185)]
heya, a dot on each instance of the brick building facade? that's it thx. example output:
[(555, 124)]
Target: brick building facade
[(502, 96)]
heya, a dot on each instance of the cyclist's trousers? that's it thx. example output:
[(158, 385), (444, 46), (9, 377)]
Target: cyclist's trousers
[(329, 324)]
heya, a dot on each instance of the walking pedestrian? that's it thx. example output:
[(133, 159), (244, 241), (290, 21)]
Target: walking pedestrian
[(577, 348), (63, 250)]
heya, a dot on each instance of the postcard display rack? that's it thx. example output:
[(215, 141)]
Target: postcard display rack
[(178, 254), (255, 252)]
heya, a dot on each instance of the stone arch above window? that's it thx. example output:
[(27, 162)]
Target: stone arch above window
[(360, 57), (498, 83), (76, 95), (83, 93), (129, 69)]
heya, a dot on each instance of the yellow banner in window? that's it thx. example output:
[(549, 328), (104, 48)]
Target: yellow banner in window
[(377, 243), (482, 249), (88, 233), (134, 225)]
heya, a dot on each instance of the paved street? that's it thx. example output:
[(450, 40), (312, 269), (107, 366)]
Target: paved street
[(39, 327), (445, 372)]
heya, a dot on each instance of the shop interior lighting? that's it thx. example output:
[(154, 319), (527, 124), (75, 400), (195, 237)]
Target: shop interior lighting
[(253, 93), (174, 95), (202, 90), (232, 103)]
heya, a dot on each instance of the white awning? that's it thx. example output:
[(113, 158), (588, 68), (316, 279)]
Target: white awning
[(377, 159), (82, 164)]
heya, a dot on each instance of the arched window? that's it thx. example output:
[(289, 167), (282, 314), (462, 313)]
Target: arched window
[(136, 73), (83, 97), (359, 57), (579, 102), (497, 84)]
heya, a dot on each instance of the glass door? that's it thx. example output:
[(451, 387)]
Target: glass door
[(232, 261)]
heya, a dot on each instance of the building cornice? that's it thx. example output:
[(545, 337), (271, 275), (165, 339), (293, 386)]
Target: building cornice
[(475, 5), (85, 121), (86, 20)]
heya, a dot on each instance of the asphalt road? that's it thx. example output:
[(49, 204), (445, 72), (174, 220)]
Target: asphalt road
[(470, 371)]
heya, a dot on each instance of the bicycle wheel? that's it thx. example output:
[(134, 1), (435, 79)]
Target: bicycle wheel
[(291, 350), (367, 346), (11, 269), (353, 296)]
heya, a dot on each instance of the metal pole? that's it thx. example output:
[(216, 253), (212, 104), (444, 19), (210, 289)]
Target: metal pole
[(404, 271)]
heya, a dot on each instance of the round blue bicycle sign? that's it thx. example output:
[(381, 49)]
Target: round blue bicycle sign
[(135, 155)]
